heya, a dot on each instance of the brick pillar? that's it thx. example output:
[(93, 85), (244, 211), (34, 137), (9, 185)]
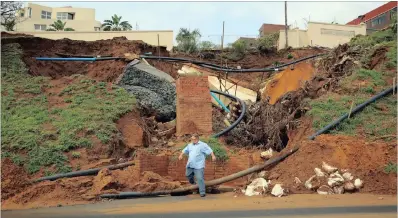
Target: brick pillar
[(194, 112)]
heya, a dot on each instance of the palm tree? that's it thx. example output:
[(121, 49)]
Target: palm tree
[(116, 24), (58, 25), (187, 40)]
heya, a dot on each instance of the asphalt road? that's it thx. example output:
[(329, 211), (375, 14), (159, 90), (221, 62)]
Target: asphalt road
[(368, 211), (354, 206)]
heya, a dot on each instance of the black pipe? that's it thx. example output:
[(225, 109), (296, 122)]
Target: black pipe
[(83, 172), (214, 182), (229, 70), (80, 56), (237, 121), (355, 110)]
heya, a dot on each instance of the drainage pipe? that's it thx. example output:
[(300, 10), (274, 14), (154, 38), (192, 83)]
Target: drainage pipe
[(76, 59), (80, 56), (229, 70), (214, 182), (355, 110), (83, 172), (237, 121), (220, 102)]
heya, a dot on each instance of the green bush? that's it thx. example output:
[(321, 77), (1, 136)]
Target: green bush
[(268, 41), (218, 149)]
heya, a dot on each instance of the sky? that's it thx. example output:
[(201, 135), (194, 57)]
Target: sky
[(242, 19)]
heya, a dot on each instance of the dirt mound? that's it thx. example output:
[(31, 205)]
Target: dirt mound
[(288, 80), (365, 160), (100, 70), (13, 179), (129, 126)]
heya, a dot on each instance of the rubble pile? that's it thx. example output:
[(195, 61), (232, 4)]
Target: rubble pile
[(329, 180)]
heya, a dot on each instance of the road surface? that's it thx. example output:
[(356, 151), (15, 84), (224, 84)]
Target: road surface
[(226, 205)]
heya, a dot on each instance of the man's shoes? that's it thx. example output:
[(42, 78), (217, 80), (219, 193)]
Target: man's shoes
[(202, 195)]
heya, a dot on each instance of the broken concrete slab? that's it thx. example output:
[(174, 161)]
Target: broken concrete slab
[(242, 93)]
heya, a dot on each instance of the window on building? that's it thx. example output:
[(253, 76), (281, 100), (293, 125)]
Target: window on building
[(379, 20), (96, 29), (29, 12), (45, 15), (40, 27), (65, 16), (22, 14)]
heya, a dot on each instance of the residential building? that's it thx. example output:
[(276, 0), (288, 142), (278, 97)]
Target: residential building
[(321, 35), (34, 17), (270, 28), (377, 19)]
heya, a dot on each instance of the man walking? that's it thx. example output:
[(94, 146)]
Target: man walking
[(197, 151)]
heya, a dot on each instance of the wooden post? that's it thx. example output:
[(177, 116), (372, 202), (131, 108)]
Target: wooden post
[(352, 105), (158, 46), (286, 28), (222, 37)]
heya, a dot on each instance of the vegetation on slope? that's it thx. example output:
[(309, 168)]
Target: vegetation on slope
[(378, 119), (36, 134)]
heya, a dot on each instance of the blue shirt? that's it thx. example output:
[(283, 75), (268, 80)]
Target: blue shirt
[(197, 154)]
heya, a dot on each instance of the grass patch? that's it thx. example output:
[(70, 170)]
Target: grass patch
[(390, 168), (218, 149), (92, 110), (76, 154), (377, 119)]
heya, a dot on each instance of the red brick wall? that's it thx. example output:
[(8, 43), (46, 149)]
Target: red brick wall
[(172, 167), (194, 112)]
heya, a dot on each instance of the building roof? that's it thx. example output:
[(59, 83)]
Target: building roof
[(374, 13), (272, 27)]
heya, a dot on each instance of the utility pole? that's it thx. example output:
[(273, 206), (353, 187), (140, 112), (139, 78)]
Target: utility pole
[(222, 38), (286, 28)]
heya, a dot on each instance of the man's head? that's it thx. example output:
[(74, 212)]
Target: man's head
[(195, 138)]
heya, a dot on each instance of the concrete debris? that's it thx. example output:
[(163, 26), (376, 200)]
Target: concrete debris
[(266, 154), (338, 189), (348, 186), (329, 169), (297, 180), (242, 93), (335, 179), (154, 90), (348, 176), (277, 190), (336, 183), (257, 187), (189, 71), (324, 190), (358, 183), (262, 174), (312, 183), (319, 172)]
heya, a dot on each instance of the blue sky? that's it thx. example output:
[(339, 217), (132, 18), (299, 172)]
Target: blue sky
[(241, 18)]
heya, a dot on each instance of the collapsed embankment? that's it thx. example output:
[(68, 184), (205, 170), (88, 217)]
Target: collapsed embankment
[(20, 194)]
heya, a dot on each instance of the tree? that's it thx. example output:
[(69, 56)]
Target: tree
[(188, 40), (116, 24), (8, 14), (206, 45), (58, 25)]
